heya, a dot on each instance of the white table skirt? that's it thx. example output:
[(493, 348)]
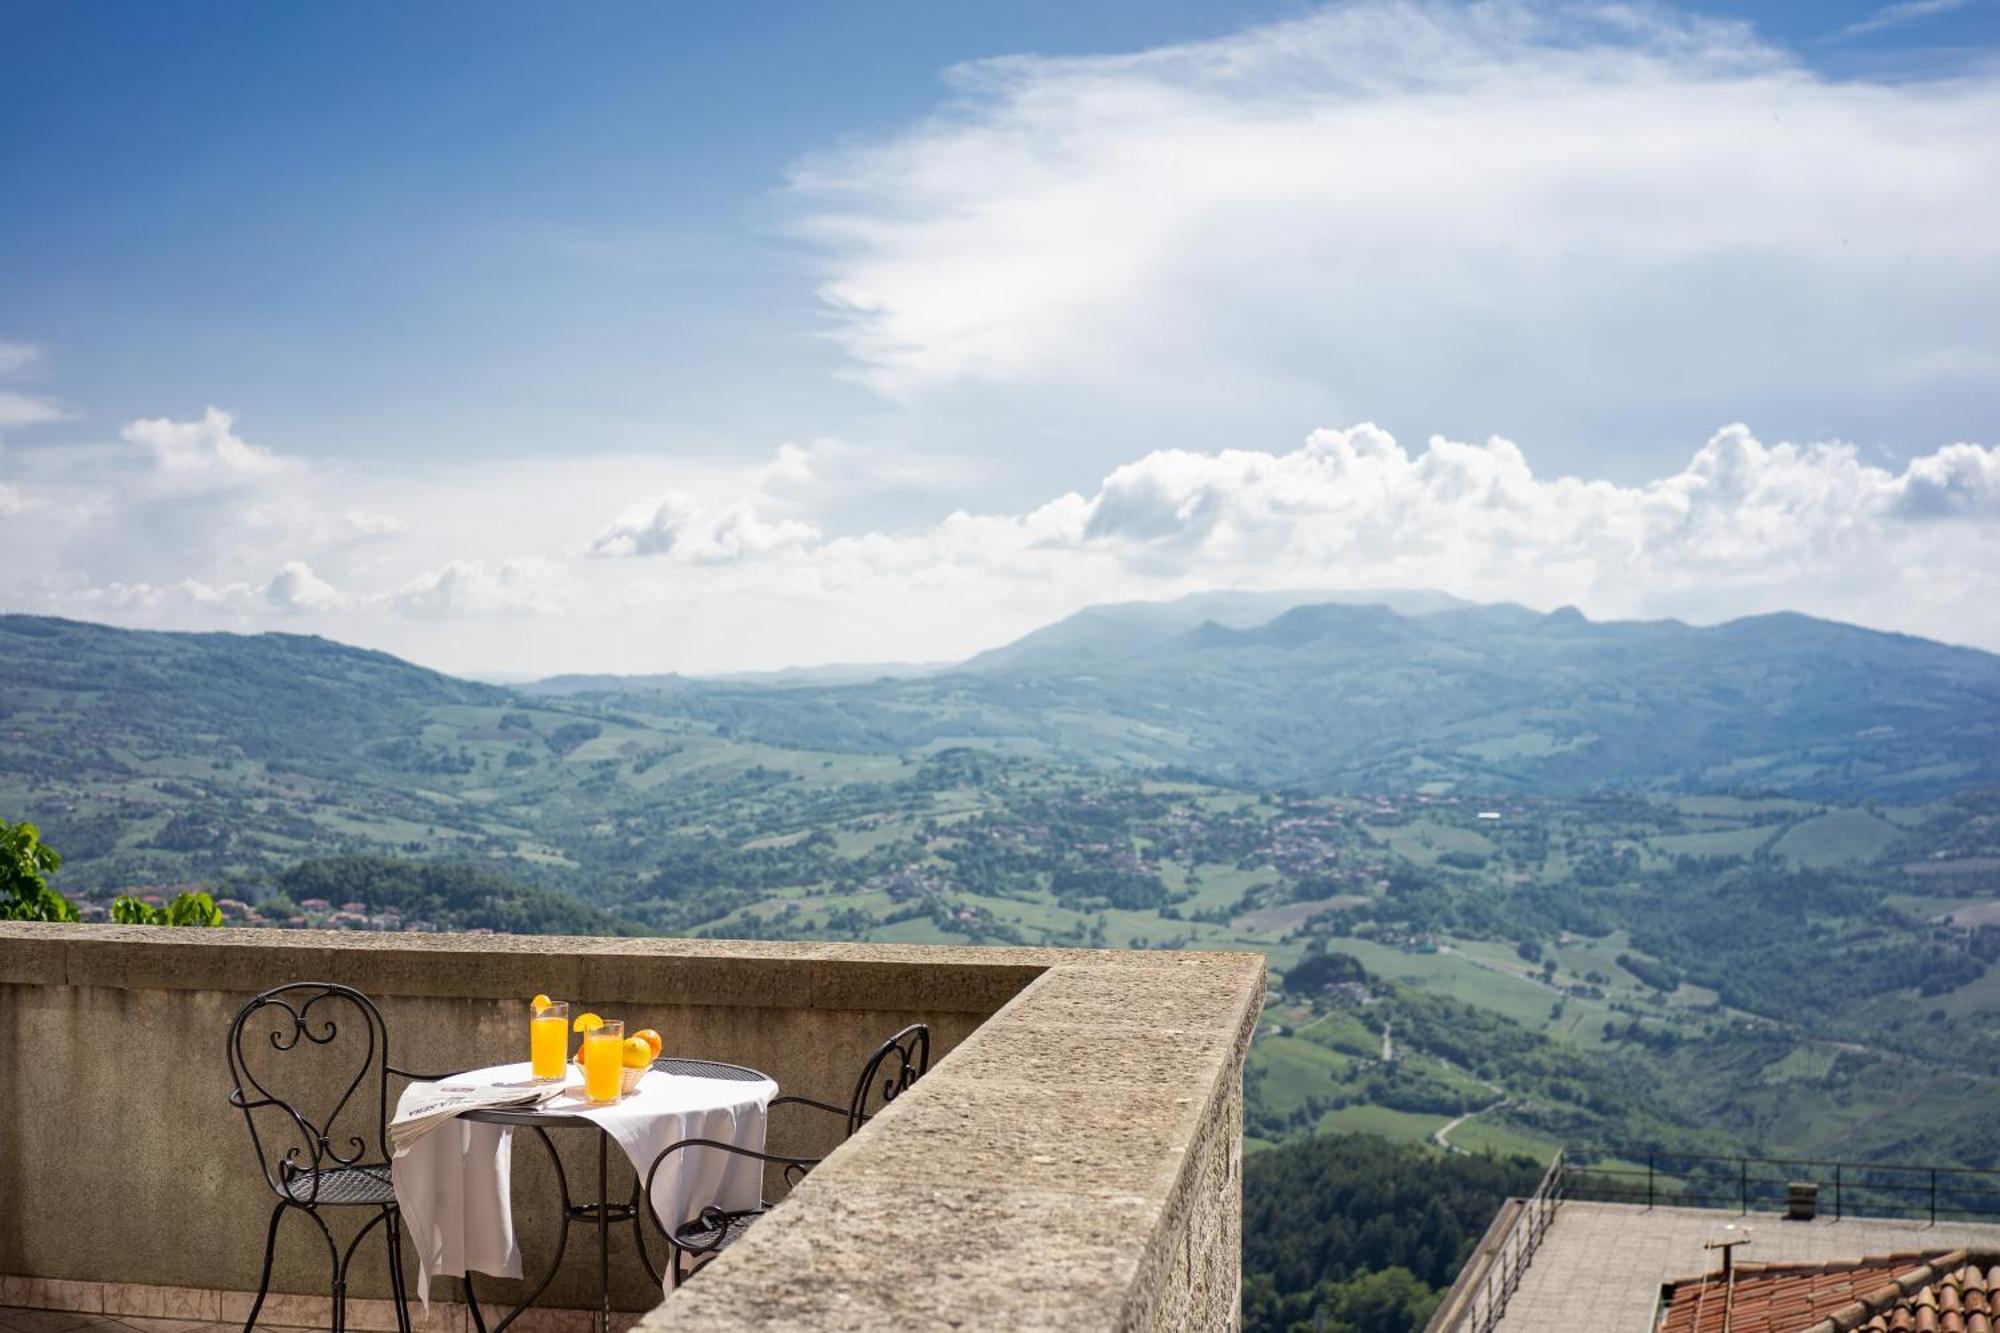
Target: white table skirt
[(453, 1185)]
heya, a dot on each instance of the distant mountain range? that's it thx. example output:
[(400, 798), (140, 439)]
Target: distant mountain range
[(1417, 690), (1404, 690), (1122, 630), (839, 673)]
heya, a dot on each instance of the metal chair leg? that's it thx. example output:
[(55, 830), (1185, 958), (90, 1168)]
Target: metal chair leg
[(264, 1282), (398, 1292), (339, 1289)]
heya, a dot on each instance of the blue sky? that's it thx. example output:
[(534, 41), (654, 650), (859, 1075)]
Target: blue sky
[(449, 226), (714, 316)]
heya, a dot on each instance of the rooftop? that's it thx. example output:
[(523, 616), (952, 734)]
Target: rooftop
[(1951, 1292), (1602, 1266)]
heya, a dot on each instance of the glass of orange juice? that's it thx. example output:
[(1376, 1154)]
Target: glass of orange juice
[(603, 1061), (548, 1039)]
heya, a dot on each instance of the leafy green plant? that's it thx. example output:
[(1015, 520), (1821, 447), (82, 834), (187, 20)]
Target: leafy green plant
[(187, 909), (25, 863)]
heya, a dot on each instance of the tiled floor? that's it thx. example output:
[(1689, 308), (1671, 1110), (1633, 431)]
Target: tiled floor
[(65, 1321), (1601, 1264), (445, 1319)]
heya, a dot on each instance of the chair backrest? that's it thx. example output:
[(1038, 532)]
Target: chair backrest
[(327, 1046), (896, 1064)]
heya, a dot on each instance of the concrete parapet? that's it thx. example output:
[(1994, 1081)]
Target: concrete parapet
[(1074, 1157)]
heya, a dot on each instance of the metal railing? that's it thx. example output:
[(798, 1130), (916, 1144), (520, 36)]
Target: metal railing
[(1482, 1312), (1866, 1189)]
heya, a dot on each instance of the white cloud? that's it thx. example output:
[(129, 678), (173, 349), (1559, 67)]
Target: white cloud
[(1742, 527), (20, 409), (1900, 14), (742, 576), (1742, 523), (373, 527), (16, 356), (204, 452), (527, 586), (12, 501), (681, 527), (1961, 481), (295, 588), (1591, 223), (236, 597)]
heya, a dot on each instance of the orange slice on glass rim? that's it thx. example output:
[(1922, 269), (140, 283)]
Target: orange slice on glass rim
[(586, 1023)]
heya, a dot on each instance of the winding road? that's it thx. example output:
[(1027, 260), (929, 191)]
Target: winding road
[(1442, 1134)]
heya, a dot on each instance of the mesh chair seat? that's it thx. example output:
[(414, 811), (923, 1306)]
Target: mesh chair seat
[(707, 1069), (714, 1230), (343, 1184)]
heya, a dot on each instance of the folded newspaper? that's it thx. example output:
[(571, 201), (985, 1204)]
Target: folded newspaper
[(425, 1106)]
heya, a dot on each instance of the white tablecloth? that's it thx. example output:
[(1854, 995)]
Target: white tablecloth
[(453, 1185)]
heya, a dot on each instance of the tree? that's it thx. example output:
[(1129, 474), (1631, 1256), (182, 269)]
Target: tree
[(25, 863), (1315, 973), (187, 909)]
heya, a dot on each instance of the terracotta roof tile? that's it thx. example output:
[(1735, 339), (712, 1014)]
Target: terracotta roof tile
[(1894, 1293)]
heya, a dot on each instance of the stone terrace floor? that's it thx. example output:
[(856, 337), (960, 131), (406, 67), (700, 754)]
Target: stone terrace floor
[(14, 1320), (1601, 1265)]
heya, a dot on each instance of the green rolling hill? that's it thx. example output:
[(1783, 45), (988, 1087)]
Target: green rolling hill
[(1331, 697)]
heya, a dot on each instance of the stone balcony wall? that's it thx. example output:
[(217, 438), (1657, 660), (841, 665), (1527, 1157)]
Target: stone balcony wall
[(1073, 1159)]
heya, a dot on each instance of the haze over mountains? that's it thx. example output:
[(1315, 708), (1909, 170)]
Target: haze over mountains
[(1417, 690), (1389, 691)]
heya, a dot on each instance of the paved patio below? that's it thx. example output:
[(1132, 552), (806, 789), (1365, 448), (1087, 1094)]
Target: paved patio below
[(1601, 1265)]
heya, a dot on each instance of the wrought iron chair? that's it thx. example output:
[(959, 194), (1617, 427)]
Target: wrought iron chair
[(340, 1160), (896, 1064)]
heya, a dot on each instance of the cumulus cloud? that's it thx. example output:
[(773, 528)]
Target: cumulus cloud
[(1742, 526), (1814, 522), (203, 452), (187, 525), (681, 527), (295, 588), (1588, 222), (526, 586), (1961, 481)]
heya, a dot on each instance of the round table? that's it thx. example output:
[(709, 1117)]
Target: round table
[(603, 1212)]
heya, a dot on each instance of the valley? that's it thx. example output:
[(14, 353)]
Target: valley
[(1788, 970)]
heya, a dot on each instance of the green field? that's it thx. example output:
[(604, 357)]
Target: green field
[(1837, 837)]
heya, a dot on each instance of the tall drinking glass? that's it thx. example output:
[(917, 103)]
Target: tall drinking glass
[(604, 1062), (548, 1040)]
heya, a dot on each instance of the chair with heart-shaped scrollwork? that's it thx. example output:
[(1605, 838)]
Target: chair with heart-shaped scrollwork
[(322, 1142)]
